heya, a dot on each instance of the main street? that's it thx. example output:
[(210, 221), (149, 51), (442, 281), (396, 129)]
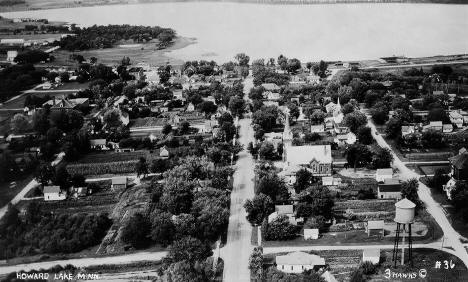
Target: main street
[(452, 237), (238, 248)]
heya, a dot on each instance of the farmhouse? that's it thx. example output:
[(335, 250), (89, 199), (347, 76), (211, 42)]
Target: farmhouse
[(287, 210), (53, 193), (164, 152), (298, 262), (317, 157), (390, 189)]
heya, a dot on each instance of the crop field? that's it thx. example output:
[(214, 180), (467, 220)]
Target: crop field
[(103, 157), (362, 210), (109, 163)]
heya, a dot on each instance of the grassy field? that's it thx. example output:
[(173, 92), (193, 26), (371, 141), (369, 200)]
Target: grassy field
[(144, 53)]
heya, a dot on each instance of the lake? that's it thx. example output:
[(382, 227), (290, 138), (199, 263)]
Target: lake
[(307, 32)]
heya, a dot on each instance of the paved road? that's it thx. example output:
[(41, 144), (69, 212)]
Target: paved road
[(238, 248), (81, 262), (452, 237)]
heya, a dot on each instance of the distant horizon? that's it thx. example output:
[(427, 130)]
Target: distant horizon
[(29, 5)]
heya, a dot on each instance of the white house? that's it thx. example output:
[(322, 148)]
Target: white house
[(53, 193), (407, 129), (297, 262), (319, 128), (345, 139), (372, 255), (331, 181), (390, 189), (383, 173), (190, 108)]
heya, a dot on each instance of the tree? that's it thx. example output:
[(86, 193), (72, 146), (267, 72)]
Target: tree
[(112, 117), (357, 276), (61, 177), (141, 167), (267, 151), (270, 184), (256, 263), (439, 179), (19, 123), (185, 225), (293, 65), (365, 135), (379, 113), (303, 179), (355, 120), (78, 180), (315, 201), (207, 107), (162, 227), (432, 139), (409, 190), (266, 117), (44, 174), (40, 121), (393, 128), (136, 231), (318, 222), (178, 191), (167, 128), (259, 208), (184, 127), (236, 106), (438, 114), (31, 57), (382, 158), (281, 229), (184, 271), (293, 110), (189, 249), (358, 155), (242, 59)]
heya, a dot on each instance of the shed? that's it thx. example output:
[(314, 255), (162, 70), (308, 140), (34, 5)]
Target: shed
[(372, 255), (375, 225), (383, 173), (119, 183), (311, 233)]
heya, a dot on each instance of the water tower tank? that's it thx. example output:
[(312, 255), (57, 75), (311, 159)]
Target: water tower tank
[(404, 211)]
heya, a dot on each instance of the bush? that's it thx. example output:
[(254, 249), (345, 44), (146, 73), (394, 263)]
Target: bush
[(368, 268)]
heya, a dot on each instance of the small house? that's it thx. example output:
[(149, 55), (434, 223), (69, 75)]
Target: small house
[(390, 189), (456, 119), (164, 152), (447, 128), (371, 255), (119, 183), (53, 193), (298, 262), (319, 128), (331, 181), (375, 225), (311, 233), (383, 173), (345, 139), (190, 108)]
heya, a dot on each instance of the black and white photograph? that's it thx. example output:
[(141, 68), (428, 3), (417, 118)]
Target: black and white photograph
[(234, 140)]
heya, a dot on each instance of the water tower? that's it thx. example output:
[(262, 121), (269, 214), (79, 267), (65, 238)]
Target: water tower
[(404, 216)]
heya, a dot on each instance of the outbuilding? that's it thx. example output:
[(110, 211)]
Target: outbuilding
[(298, 262), (371, 255)]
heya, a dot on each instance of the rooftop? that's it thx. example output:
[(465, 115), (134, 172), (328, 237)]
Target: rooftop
[(300, 258), (298, 155)]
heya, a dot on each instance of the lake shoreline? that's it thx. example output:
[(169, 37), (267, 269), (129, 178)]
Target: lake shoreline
[(60, 4)]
